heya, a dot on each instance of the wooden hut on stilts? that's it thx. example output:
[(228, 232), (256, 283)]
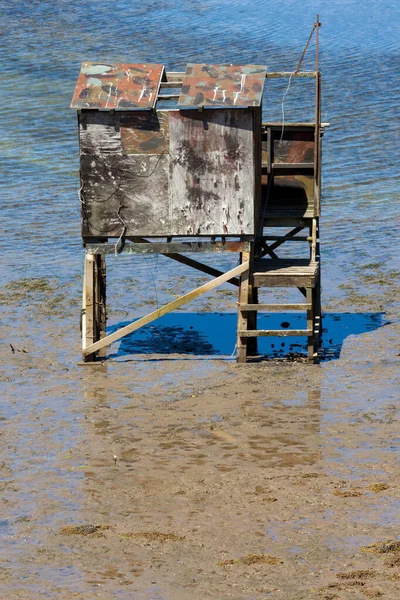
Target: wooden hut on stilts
[(203, 176)]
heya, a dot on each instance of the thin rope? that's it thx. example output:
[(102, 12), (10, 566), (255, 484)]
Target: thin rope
[(283, 104)]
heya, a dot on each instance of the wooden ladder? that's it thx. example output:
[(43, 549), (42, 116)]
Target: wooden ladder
[(274, 272)]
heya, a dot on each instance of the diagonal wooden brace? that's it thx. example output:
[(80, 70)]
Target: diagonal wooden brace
[(210, 285)]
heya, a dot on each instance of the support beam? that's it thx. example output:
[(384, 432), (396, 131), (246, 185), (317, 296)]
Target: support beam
[(166, 247), (185, 260), (269, 249), (166, 309)]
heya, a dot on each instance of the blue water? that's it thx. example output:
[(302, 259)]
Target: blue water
[(43, 43)]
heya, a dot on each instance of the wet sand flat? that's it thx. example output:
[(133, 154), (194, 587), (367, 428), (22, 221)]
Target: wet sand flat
[(179, 477)]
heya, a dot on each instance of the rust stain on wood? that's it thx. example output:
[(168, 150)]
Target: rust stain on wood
[(145, 133)]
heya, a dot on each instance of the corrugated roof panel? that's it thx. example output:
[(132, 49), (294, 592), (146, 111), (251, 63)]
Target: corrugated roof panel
[(222, 85), (119, 86)]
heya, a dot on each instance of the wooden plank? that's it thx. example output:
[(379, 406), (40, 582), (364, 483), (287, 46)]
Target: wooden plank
[(213, 171), (276, 166), (274, 307), (170, 84), (167, 96), (284, 263), (175, 76), (298, 280), (167, 308), (168, 247), (275, 332), (291, 125)]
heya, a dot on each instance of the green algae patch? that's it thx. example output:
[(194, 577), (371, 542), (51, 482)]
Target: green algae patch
[(377, 487), (252, 559), (382, 547)]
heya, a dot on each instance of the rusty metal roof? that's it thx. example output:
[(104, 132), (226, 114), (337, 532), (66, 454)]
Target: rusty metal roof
[(222, 85), (119, 86)]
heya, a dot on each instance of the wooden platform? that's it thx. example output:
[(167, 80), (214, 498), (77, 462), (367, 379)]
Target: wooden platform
[(285, 273)]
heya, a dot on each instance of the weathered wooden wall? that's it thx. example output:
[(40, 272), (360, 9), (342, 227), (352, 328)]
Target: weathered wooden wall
[(169, 173), (212, 170)]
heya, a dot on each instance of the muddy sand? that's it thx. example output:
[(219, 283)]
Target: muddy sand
[(181, 477)]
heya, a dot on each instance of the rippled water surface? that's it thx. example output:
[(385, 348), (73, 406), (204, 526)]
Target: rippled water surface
[(43, 43)]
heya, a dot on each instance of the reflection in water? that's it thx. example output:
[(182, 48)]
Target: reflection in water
[(214, 334)]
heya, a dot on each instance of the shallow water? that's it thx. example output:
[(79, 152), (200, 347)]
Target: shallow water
[(51, 410)]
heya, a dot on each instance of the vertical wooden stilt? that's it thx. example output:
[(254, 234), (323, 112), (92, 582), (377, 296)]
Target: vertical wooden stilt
[(310, 323), (317, 317), (318, 286), (243, 316), (101, 301), (89, 306)]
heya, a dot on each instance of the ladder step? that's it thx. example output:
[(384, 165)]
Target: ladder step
[(273, 307), (276, 332)]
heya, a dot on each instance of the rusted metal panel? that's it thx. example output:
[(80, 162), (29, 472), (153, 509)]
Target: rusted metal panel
[(145, 133), (120, 86), (295, 147), (213, 171), (222, 85)]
